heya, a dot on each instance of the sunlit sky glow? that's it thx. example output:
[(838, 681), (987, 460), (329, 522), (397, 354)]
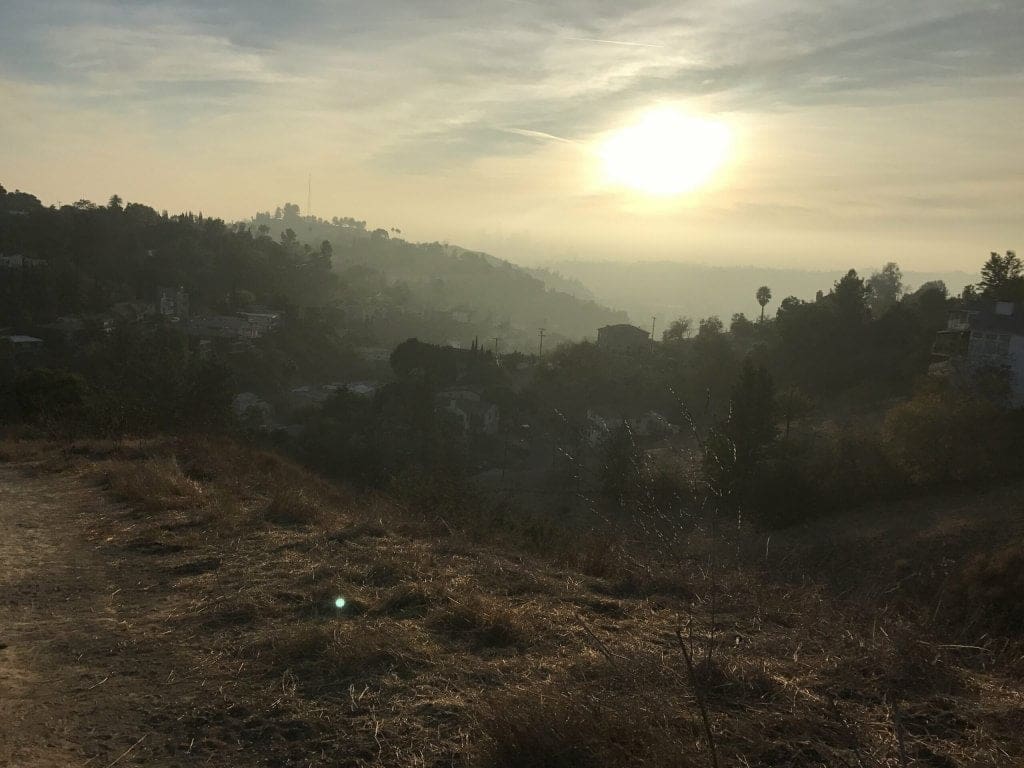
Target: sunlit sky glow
[(854, 131)]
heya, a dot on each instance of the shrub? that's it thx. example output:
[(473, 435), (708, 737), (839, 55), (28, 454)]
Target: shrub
[(294, 506), (944, 435), (986, 594), (481, 623), (153, 483)]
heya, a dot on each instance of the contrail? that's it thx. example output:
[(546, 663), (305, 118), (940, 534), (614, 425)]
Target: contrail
[(538, 135), (615, 42)]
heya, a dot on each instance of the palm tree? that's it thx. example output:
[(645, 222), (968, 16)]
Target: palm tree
[(764, 295)]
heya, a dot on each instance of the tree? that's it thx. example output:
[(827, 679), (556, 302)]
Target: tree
[(752, 411), (850, 296), (115, 202), (740, 327), (764, 295), (886, 288), (710, 326), (678, 329), (1001, 276), (326, 253)]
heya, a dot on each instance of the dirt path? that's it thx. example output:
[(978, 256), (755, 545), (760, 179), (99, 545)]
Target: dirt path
[(83, 665)]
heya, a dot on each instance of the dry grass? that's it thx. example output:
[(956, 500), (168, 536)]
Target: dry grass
[(453, 651), (151, 484), (480, 622), (294, 506)]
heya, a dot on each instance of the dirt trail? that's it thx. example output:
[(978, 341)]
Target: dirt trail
[(83, 666)]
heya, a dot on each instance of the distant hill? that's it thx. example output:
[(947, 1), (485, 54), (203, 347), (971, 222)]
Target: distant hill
[(489, 297), (672, 289)]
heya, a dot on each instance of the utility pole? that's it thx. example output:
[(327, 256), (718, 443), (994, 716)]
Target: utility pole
[(654, 320), (540, 351), (309, 196), (497, 340)]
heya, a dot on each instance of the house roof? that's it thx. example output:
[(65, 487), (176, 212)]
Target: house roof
[(984, 318), (624, 327)]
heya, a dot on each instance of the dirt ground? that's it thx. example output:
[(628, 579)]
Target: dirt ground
[(88, 671)]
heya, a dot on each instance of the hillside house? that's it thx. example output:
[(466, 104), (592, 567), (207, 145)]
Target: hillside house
[(623, 338), (222, 327), (983, 336), (474, 415), (131, 312), (23, 351), (263, 320), (173, 302), (20, 261)]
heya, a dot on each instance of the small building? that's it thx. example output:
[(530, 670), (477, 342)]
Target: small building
[(623, 338), (374, 354), (173, 302), (20, 261), (131, 312), (24, 351), (222, 327), (263, 320), (983, 336), (474, 415)]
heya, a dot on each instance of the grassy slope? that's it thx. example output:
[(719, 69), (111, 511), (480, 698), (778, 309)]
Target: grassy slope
[(453, 651)]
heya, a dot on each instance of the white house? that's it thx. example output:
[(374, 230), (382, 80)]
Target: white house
[(983, 336)]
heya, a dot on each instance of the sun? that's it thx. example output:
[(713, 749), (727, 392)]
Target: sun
[(666, 153)]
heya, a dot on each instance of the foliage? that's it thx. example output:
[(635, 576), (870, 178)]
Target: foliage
[(945, 434), (1002, 278)]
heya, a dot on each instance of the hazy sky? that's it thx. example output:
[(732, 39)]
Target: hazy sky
[(861, 131)]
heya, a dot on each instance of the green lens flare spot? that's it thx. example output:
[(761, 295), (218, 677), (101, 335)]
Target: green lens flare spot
[(339, 602)]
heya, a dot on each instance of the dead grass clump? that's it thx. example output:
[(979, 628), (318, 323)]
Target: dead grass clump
[(600, 556), (905, 668), (578, 727), (359, 530), (481, 623), (384, 573), (154, 484), (986, 595), (294, 506), (334, 654), (640, 582), (405, 602)]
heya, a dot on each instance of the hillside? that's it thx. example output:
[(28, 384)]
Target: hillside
[(433, 282), (196, 583)]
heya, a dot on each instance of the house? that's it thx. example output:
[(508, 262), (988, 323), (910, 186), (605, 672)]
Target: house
[(981, 336), (173, 302), (472, 413), (19, 261), (131, 312), (24, 350), (623, 338), (263, 320), (650, 424), (374, 354), (222, 327), (362, 388)]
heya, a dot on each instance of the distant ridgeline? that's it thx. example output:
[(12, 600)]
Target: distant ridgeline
[(673, 289), (446, 292)]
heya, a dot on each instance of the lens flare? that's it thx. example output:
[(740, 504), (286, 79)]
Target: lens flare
[(339, 602)]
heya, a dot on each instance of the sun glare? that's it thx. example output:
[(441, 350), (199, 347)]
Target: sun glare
[(666, 153)]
